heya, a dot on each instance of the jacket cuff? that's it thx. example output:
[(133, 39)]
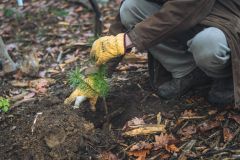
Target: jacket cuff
[(136, 41)]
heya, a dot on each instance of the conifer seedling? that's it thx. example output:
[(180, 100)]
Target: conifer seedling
[(89, 86)]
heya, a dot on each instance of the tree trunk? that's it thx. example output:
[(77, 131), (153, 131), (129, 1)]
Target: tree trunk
[(7, 62)]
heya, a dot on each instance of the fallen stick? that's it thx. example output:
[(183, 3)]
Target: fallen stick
[(18, 97), (187, 149), (145, 130), (194, 117), (35, 120), (18, 103)]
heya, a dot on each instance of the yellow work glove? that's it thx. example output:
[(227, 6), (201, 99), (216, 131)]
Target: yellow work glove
[(108, 47), (88, 92)]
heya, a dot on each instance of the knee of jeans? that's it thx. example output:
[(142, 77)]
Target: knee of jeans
[(209, 47), (204, 59), (127, 9)]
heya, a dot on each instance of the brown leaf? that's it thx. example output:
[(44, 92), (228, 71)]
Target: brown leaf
[(140, 150), (212, 112), (227, 134), (172, 148), (235, 117), (141, 145), (188, 131), (206, 126), (188, 113), (165, 156), (108, 156), (163, 140), (141, 155), (132, 123), (220, 117)]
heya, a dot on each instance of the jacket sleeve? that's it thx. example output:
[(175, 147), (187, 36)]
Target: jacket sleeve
[(174, 17)]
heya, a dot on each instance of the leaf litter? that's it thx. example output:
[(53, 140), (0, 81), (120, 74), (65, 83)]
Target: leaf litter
[(56, 36)]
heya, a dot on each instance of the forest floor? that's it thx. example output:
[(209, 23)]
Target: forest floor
[(56, 36)]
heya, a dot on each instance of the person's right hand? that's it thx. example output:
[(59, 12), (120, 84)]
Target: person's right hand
[(107, 48)]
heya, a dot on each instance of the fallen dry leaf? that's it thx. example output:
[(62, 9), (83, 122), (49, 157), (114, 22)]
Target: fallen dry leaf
[(188, 131), (206, 126), (172, 148), (140, 150), (107, 156), (188, 113), (235, 117), (141, 145), (165, 156), (40, 85), (133, 123), (212, 112), (163, 140), (220, 117), (141, 155), (227, 134)]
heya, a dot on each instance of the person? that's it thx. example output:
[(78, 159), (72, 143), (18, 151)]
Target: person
[(193, 40)]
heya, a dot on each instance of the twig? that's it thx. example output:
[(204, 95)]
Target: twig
[(213, 152), (34, 121), (194, 117), (187, 148), (145, 129), (105, 105), (18, 97), (18, 103)]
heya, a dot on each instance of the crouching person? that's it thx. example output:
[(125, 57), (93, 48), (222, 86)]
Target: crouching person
[(193, 40)]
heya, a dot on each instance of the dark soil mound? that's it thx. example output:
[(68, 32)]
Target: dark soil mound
[(55, 133)]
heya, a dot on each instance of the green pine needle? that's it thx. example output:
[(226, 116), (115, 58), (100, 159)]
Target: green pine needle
[(76, 78), (100, 85)]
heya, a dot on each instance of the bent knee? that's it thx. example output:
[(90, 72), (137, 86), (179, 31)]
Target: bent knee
[(210, 48), (127, 10), (134, 11)]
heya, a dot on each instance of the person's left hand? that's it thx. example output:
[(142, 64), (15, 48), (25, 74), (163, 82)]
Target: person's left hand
[(87, 92), (108, 47)]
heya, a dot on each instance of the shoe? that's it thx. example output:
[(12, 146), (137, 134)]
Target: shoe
[(178, 86), (221, 92)]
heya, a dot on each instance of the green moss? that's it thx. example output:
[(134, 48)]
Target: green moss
[(4, 104)]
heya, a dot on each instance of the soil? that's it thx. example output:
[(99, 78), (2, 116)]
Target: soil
[(61, 132), (45, 128)]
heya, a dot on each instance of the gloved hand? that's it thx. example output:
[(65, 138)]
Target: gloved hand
[(88, 92), (108, 47)]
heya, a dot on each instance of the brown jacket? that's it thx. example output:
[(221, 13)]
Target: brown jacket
[(179, 16)]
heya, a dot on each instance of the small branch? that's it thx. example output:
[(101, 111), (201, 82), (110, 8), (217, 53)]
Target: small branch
[(35, 120), (18, 103), (194, 117), (105, 105), (146, 129)]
